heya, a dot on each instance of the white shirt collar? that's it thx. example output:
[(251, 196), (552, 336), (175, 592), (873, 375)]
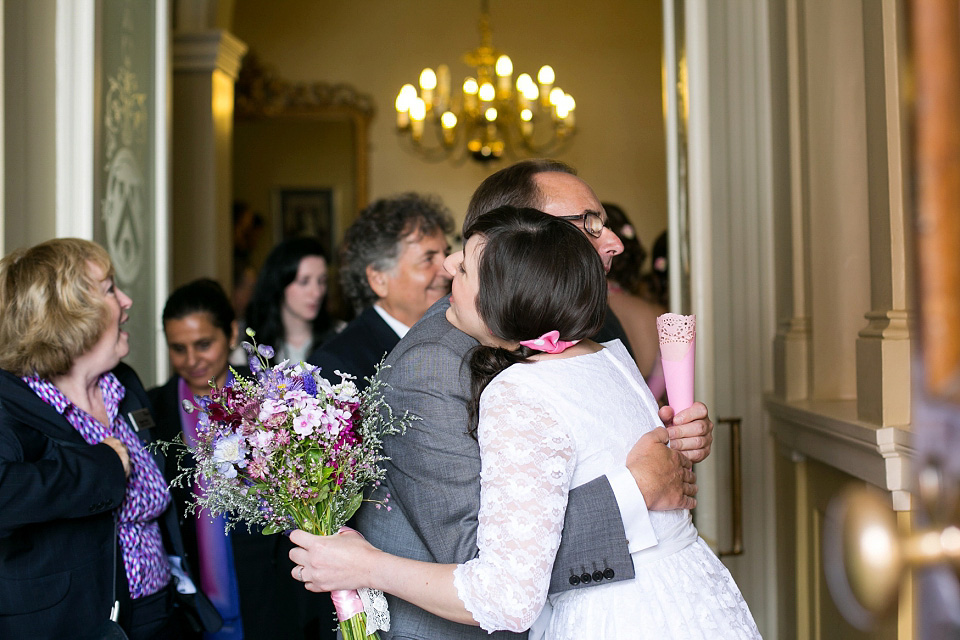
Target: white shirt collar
[(398, 327)]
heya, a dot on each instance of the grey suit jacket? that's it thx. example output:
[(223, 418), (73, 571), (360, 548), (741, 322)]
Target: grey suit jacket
[(434, 481)]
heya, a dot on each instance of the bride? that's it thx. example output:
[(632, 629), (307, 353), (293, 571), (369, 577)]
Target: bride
[(551, 410)]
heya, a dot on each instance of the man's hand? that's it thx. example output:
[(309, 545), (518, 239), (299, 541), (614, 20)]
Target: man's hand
[(664, 476), (690, 431)]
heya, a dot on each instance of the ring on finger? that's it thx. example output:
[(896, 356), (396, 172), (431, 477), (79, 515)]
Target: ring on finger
[(301, 573)]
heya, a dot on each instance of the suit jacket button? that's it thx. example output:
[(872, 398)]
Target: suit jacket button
[(597, 575), (585, 578), (608, 573), (574, 580)]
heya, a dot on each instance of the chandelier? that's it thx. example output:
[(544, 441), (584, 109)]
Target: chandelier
[(490, 114)]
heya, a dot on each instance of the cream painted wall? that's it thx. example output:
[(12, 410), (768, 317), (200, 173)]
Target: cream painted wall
[(607, 55), (30, 123)]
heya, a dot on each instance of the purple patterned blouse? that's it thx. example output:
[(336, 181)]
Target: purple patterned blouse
[(144, 557)]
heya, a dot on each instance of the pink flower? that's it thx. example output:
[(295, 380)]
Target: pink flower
[(273, 413), (304, 423), (257, 468), (261, 440), (296, 398)]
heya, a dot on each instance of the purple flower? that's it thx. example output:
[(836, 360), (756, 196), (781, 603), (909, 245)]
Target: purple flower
[(309, 384), (227, 452), (265, 350)]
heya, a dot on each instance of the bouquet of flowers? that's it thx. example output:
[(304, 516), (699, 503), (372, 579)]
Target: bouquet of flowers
[(288, 450)]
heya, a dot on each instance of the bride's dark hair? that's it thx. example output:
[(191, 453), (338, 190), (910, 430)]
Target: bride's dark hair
[(535, 274)]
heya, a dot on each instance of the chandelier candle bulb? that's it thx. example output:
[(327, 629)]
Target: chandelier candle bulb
[(428, 82), (523, 81), (504, 72), (449, 122), (418, 111), (470, 89), (404, 100), (403, 115), (546, 78), (487, 93)]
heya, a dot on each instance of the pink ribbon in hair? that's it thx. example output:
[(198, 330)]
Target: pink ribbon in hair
[(549, 342)]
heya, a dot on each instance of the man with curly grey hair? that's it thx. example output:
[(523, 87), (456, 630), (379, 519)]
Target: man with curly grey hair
[(391, 269)]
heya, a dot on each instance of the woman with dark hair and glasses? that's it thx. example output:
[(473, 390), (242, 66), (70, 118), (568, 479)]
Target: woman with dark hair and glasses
[(287, 309), (551, 410)]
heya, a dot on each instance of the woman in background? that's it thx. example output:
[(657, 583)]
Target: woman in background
[(656, 286), (85, 515), (245, 574), (287, 310), (637, 315)]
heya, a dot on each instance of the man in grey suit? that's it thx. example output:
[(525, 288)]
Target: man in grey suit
[(434, 472)]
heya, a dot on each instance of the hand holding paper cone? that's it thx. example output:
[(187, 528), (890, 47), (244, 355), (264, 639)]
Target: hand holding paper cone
[(678, 341)]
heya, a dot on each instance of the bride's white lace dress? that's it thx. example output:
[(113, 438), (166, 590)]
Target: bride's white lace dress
[(546, 427)]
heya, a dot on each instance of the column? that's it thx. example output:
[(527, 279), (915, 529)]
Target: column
[(205, 67), (883, 346)]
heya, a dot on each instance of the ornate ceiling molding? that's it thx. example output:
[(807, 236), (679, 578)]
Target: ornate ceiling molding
[(261, 93)]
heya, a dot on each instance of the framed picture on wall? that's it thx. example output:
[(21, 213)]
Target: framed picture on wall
[(304, 211)]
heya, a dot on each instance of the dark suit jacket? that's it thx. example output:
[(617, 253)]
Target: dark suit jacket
[(613, 330), (356, 350), (57, 536), (272, 603)]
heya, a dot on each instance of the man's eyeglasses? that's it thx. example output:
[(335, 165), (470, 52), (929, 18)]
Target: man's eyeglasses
[(592, 222)]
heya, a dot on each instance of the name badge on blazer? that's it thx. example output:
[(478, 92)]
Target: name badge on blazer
[(141, 420)]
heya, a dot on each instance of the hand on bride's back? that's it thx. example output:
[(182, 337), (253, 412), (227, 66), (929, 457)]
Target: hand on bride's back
[(664, 475), (332, 562)]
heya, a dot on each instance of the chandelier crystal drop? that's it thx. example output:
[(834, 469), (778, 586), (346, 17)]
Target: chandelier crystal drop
[(490, 113)]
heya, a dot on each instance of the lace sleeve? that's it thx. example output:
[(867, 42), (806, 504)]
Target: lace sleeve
[(527, 465)]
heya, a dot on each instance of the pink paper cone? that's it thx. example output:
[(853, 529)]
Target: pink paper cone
[(678, 341)]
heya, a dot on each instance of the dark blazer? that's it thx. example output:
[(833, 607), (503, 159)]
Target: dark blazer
[(272, 603), (356, 350), (57, 499), (613, 330)]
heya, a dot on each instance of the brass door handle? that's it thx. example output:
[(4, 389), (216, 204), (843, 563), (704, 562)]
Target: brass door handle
[(736, 488), (866, 556)]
